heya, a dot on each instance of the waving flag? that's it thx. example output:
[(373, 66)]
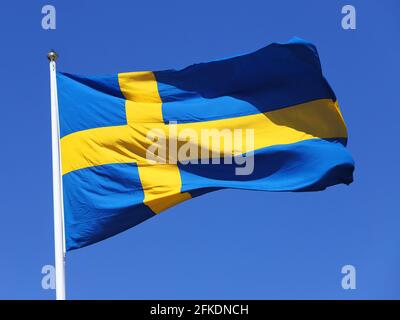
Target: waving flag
[(273, 117)]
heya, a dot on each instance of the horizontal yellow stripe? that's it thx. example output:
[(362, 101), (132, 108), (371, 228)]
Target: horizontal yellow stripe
[(124, 144), (99, 146), (315, 119)]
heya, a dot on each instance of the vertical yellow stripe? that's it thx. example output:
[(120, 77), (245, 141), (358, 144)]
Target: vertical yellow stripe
[(161, 185), (161, 182), (139, 86), (143, 102)]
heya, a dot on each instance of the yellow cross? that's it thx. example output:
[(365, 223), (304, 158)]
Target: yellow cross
[(162, 182)]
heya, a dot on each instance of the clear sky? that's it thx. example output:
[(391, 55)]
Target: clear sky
[(228, 244)]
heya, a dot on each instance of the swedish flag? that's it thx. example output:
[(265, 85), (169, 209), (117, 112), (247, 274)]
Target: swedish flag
[(277, 93)]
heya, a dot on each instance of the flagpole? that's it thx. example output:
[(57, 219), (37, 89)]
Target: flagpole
[(59, 241)]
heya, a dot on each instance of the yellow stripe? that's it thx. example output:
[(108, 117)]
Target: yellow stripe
[(162, 186), (99, 146), (139, 86), (161, 183), (143, 102), (120, 144), (315, 119)]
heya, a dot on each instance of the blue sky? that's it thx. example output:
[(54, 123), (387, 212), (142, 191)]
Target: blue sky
[(229, 244)]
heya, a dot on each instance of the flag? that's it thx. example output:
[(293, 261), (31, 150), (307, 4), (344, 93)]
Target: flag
[(134, 144)]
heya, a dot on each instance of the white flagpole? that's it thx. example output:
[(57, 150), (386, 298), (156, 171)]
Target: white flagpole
[(59, 241)]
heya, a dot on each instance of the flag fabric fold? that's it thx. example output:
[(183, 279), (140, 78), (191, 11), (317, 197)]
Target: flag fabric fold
[(108, 125)]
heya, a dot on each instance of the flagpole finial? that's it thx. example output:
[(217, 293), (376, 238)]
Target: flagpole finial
[(52, 55)]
